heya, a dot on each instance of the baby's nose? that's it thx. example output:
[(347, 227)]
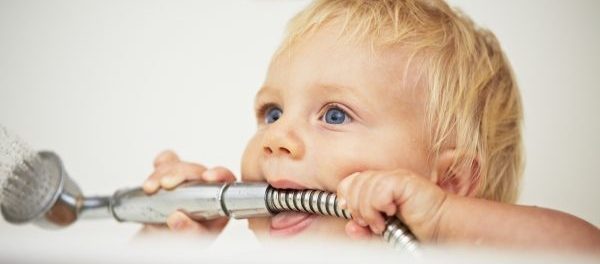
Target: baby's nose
[(285, 144), (269, 150)]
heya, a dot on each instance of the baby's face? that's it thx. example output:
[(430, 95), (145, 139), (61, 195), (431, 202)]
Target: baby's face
[(331, 109)]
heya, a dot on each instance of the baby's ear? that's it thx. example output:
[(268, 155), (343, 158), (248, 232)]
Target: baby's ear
[(461, 179)]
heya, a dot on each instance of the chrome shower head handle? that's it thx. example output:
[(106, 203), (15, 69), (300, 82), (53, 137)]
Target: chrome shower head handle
[(199, 201)]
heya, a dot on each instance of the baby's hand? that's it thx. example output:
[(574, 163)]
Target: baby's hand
[(169, 172), (372, 195)]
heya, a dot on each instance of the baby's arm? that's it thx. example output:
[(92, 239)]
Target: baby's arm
[(517, 226), (436, 216)]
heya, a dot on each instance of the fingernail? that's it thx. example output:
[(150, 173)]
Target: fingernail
[(210, 175), (150, 185), (361, 222), (390, 210)]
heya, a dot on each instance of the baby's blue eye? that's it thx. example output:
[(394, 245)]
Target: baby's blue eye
[(272, 115), (335, 116)]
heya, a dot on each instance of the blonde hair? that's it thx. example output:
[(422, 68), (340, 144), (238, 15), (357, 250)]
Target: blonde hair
[(473, 100)]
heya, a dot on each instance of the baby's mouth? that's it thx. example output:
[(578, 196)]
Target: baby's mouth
[(290, 223)]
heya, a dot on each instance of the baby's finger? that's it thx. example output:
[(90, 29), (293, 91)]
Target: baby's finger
[(344, 186), (159, 172), (152, 229), (383, 201), (150, 186), (180, 173), (374, 219), (215, 226), (166, 157), (152, 183), (180, 222), (218, 174), (354, 197), (343, 190), (357, 232), (370, 214), (161, 162)]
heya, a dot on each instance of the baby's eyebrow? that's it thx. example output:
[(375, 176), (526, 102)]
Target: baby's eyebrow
[(335, 91), (265, 94), (330, 91), (262, 91)]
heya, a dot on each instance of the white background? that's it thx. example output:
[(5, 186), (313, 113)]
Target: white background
[(109, 84)]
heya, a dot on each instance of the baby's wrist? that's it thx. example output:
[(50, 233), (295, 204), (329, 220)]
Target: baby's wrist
[(441, 232)]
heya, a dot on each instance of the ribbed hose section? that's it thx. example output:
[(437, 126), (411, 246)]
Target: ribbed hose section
[(325, 203)]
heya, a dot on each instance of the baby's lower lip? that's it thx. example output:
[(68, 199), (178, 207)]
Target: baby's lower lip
[(289, 224)]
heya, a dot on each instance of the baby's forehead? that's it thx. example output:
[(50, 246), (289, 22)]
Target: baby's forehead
[(331, 47), (340, 65)]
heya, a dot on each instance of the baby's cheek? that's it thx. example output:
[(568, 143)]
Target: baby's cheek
[(337, 168)]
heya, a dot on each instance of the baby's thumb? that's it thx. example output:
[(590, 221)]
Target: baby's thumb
[(357, 232), (180, 222)]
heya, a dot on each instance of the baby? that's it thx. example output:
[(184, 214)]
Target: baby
[(403, 108)]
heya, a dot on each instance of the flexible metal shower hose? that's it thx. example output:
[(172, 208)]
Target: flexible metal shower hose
[(325, 203)]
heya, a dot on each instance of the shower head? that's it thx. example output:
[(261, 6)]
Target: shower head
[(34, 187)]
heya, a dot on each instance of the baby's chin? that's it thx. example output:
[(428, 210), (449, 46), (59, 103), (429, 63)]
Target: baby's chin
[(315, 228)]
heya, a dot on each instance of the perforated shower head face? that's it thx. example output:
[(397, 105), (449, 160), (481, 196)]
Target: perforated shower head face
[(29, 181)]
